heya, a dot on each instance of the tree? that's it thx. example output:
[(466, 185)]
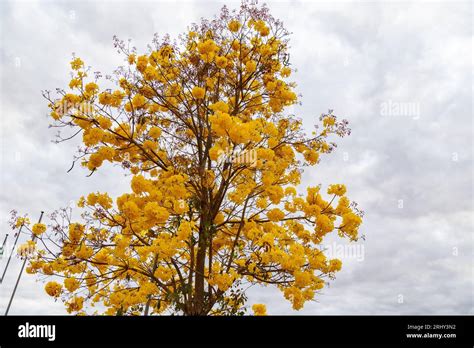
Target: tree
[(215, 162)]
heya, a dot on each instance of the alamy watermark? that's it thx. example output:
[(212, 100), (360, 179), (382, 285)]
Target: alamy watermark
[(400, 109), (245, 157), (345, 251)]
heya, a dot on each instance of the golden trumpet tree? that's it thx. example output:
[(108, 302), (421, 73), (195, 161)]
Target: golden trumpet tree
[(215, 164)]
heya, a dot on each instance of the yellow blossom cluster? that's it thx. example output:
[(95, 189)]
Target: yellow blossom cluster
[(53, 289), (38, 229), (259, 309)]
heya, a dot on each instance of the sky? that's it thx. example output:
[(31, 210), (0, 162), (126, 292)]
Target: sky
[(399, 72)]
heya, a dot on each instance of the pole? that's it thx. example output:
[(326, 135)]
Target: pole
[(11, 253), (21, 271), (5, 240), (2, 248)]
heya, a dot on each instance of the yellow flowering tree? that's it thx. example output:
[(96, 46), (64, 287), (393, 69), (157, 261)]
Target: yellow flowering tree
[(215, 164)]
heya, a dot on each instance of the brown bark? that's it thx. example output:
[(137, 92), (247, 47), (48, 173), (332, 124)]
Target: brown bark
[(199, 279)]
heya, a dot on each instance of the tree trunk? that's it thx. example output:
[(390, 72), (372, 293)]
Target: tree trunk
[(199, 280)]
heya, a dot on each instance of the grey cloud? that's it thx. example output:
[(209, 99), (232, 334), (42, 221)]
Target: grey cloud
[(351, 57)]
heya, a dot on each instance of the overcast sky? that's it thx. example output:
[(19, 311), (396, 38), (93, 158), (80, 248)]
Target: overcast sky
[(400, 72)]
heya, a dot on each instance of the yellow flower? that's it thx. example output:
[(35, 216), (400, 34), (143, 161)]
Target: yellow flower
[(198, 92), (103, 199), (215, 152), (311, 157), (75, 304), (180, 206), (235, 45), (156, 213), (350, 223), (334, 265), (184, 230), (208, 50), (222, 281), (251, 66), (338, 190), (84, 252), (75, 83), (104, 122), (93, 136), (138, 101), (91, 87), (221, 62), (53, 289), (76, 231), (38, 229), (219, 218), (55, 115), (329, 121), (343, 206), (47, 269), (262, 28), (154, 132), (71, 284), (275, 215), (271, 86), (219, 106), (151, 73), (105, 98), (265, 31), (21, 221), (220, 123), (324, 224), (285, 72), (259, 309), (139, 184), (77, 63), (163, 273), (302, 279), (142, 63), (234, 25)]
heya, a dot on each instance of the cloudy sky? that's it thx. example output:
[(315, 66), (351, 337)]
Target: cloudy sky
[(400, 72)]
